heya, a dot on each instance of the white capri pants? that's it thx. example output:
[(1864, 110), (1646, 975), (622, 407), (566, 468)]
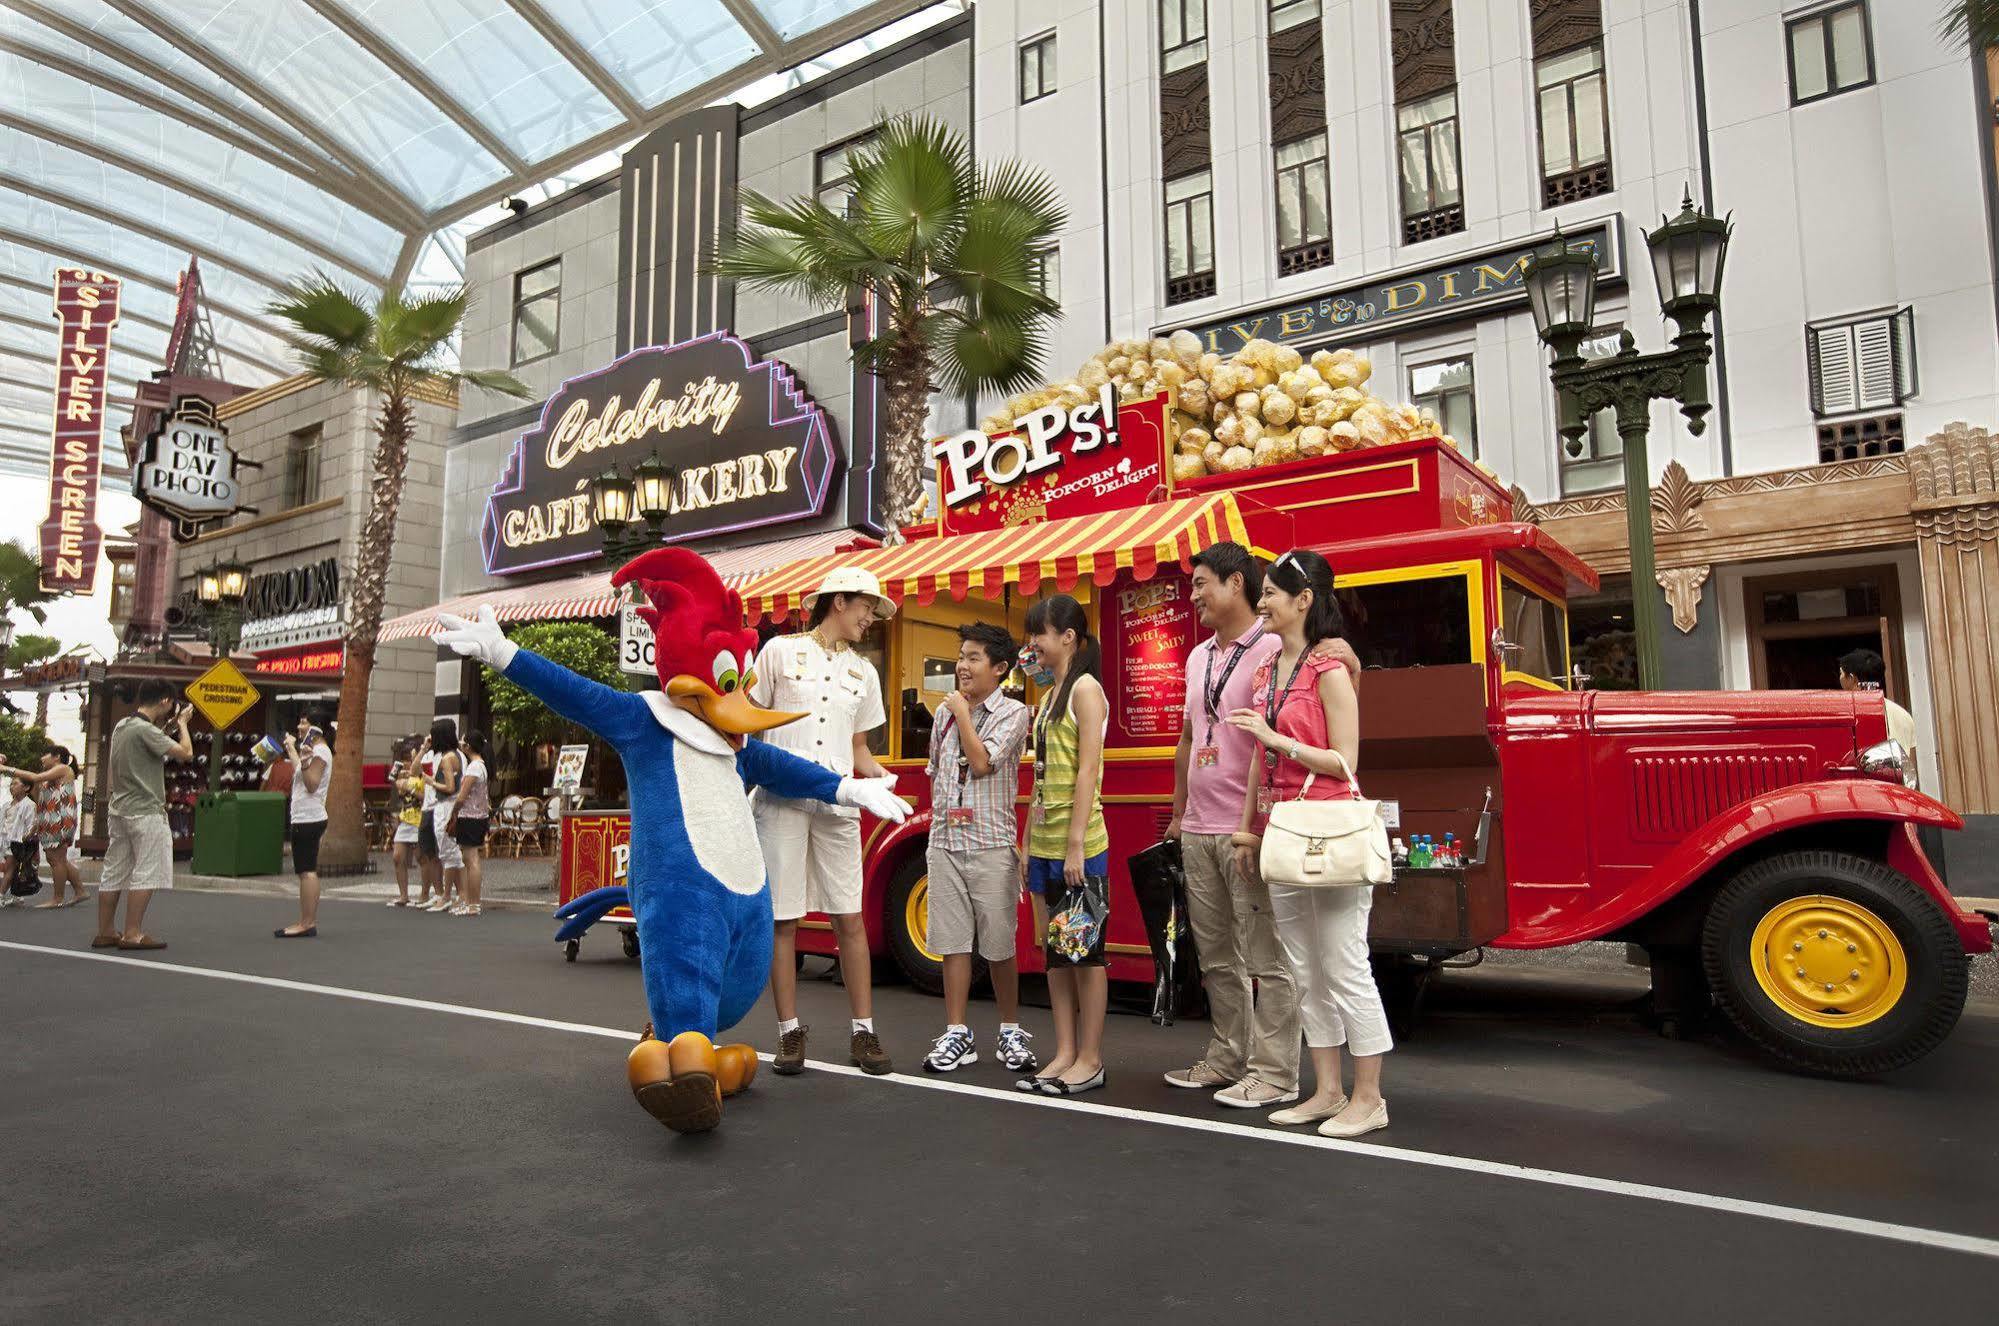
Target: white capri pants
[(1323, 933)]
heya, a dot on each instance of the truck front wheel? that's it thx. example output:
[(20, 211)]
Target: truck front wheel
[(906, 921), (1834, 963)]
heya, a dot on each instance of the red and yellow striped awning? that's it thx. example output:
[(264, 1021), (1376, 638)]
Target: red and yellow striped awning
[(1034, 557)]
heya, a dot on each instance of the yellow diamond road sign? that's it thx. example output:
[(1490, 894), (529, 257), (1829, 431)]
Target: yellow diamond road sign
[(222, 694)]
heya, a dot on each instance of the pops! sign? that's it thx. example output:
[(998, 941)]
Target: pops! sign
[(86, 307), (1059, 461)]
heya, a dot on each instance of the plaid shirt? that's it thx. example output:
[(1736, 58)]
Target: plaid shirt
[(1001, 723)]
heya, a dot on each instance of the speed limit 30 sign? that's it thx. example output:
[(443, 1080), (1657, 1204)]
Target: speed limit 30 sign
[(634, 643)]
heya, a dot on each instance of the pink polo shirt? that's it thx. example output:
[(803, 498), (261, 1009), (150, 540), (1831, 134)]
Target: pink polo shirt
[(1215, 791)]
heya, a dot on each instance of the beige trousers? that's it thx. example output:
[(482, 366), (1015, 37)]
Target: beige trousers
[(1252, 998)]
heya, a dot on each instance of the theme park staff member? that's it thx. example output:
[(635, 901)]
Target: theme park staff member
[(975, 747), (1865, 670), (312, 774), (1303, 710), (812, 850), (140, 857), (1067, 851)]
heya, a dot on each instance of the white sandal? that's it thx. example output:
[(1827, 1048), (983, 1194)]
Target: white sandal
[(467, 911)]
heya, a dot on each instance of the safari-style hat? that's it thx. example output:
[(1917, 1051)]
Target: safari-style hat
[(853, 580)]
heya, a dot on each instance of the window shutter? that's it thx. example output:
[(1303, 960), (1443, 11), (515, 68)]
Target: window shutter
[(1833, 370), (1874, 353), (1904, 326)]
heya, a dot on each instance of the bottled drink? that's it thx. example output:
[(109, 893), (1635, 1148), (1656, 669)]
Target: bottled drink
[(1453, 855), (1419, 853)]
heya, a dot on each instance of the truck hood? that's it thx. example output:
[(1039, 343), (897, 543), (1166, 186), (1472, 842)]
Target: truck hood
[(1691, 713)]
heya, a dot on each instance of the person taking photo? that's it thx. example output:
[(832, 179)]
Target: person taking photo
[(140, 855)]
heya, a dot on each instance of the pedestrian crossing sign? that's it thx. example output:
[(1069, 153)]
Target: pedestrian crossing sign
[(222, 694)]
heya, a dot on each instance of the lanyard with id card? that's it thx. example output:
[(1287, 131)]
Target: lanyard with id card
[(1209, 753), (1273, 705), (961, 816)]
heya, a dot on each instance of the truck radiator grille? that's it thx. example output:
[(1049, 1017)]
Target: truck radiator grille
[(1674, 794)]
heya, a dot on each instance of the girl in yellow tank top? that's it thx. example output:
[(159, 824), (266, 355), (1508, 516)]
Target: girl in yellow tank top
[(1066, 856)]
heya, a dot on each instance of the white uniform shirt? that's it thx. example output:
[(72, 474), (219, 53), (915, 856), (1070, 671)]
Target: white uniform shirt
[(839, 693)]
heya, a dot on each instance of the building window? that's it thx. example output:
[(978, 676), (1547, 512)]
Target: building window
[(833, 173), (1445, 389), (1832, 51), (302, 467), (1037, 68), (1432, 196), (1045, 272), (1575, 126), (1861, 363), (1190, 237), (1183, 34), (1286, 14), (1601, 464), (1304, 221), (537, 311), (124, 589)]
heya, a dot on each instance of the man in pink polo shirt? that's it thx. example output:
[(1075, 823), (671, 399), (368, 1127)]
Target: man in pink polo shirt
[(1252, 1056)]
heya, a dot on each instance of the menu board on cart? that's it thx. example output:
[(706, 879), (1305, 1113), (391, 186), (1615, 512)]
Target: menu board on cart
[(1149, 630)]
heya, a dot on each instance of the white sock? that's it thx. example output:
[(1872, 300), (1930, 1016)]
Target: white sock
[(785, 1025), (864, 1024), (1005, 1027), (957, 1026)]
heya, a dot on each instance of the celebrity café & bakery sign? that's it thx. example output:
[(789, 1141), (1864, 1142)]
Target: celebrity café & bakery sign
[(86, 309), (1463, 287), (745, 445)]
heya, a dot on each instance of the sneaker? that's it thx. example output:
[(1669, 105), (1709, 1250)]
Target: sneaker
[(790, 1056), (1013, 1051), (868, 1054), (1253, 1093), (1202, 1075), (952, 1051)]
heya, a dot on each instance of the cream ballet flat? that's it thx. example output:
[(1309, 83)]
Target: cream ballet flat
[(1367, 1123), (1299, 1114)]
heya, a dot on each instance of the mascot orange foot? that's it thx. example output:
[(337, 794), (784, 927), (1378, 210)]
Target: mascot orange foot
[(682, 1082)]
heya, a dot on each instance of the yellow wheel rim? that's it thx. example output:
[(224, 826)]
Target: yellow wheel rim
[(1828, 961), (916, 919)]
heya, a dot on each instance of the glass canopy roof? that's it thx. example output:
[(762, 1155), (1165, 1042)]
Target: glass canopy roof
[(362, 138)]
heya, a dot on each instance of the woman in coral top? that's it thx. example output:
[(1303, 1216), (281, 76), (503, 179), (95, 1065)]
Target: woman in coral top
[(1308, 720)]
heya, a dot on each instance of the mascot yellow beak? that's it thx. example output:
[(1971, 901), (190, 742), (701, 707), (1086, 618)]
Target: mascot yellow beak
[(732, 713)]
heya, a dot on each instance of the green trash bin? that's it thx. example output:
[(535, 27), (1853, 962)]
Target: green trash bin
[(239, 833)]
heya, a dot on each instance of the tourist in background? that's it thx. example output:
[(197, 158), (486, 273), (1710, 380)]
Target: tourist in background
[(1306, 718), (1066, 857), (55, 820), (428, 866), (406, 806), (139, 857), (812, 850), (312, 773), (471, 814), (443, 787), (1865, 670), (975, 744), (18, 823)]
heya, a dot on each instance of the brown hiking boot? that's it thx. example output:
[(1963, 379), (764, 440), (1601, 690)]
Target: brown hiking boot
[(790, 1056), (869, 1056)]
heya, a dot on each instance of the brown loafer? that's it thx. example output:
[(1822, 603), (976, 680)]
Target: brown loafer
[(104, 941), (142, 942), (790, 1056), (869, 1056)]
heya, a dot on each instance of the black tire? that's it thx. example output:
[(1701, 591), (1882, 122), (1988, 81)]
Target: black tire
[(1916, 1022), (569, 950), (629, 937), (906, 948)]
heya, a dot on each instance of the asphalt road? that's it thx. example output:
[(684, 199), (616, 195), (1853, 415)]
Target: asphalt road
[(214, 1150)]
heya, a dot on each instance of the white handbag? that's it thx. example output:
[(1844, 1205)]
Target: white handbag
[(1326, 844)]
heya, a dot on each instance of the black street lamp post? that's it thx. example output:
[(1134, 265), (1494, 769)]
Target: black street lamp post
[(219, 591), (631, 512), (1687, 254)]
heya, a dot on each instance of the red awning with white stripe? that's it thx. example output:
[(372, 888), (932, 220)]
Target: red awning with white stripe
[(586, 596)]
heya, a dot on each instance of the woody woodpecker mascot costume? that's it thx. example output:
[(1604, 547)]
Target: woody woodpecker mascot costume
[(696, 879)]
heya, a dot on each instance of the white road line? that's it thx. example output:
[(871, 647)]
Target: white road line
[(1793, 1215)]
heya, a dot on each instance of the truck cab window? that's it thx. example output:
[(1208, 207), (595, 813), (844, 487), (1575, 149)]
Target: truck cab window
[(1539, 629), (1409, 623)]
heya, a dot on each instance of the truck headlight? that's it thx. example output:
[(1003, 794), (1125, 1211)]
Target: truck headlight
[(1888, 761)]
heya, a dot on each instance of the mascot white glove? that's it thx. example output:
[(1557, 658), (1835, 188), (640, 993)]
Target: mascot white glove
[(874, 795), (480, 639)]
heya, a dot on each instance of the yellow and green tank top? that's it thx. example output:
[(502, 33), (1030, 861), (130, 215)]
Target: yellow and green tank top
[(1057, 750)]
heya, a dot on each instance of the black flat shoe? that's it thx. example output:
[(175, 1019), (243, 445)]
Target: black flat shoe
[(307, 933), (1095, 1082), (1033, 1084)]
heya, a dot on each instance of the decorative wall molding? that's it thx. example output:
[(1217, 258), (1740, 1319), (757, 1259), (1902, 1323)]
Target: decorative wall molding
[(1423, 45), (1954, 486), (1297, 83), (1676, 502), (1683, 594), (1560, 25), (1183, 122)]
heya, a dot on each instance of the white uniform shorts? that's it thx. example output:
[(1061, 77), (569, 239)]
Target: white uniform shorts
[(140, 854), (813, 859)]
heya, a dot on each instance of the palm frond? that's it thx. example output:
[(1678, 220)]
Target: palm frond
[(912, 185), (415, 330), (1019, 189), (494, 380), (979, 353), (1970, 23), (323, 312)]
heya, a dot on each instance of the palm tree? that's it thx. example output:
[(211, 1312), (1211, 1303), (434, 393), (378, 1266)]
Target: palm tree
[(945, 250), (1972, 23), (21, 581), (28, 649), (390, 349)]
